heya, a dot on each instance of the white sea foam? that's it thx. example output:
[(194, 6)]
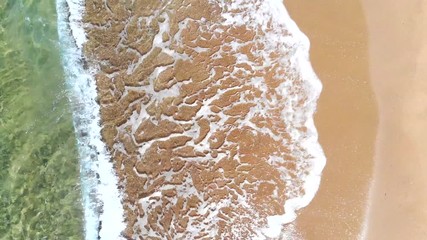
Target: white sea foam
[(301, 62), (103, 211)]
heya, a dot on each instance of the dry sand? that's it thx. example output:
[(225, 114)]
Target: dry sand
[(398, 57), (346, 117)]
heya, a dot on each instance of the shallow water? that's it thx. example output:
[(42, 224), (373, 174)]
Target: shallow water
[(39, 167)]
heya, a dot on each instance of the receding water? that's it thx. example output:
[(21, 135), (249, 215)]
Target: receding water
[(39, 167)]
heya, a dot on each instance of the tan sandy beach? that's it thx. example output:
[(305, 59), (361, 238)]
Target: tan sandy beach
[(346, 117), (390, 52), (398, 57)]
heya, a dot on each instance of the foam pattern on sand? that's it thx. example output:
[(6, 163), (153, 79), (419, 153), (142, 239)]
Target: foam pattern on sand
[(207, 110), (103, 211)]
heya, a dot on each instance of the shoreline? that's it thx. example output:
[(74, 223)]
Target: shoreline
[(346, 117), (397, 201), (101, 199)]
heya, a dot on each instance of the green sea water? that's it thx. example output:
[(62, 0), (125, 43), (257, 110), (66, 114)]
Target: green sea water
[(39, 167)]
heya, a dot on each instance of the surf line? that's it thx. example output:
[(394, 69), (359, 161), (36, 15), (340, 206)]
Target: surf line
[(101, 198)]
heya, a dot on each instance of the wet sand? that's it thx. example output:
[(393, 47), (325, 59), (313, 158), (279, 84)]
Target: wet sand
[(398, 56), (346, 117)]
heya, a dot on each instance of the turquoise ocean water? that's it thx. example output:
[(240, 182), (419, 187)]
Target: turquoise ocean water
[(39, 167)]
